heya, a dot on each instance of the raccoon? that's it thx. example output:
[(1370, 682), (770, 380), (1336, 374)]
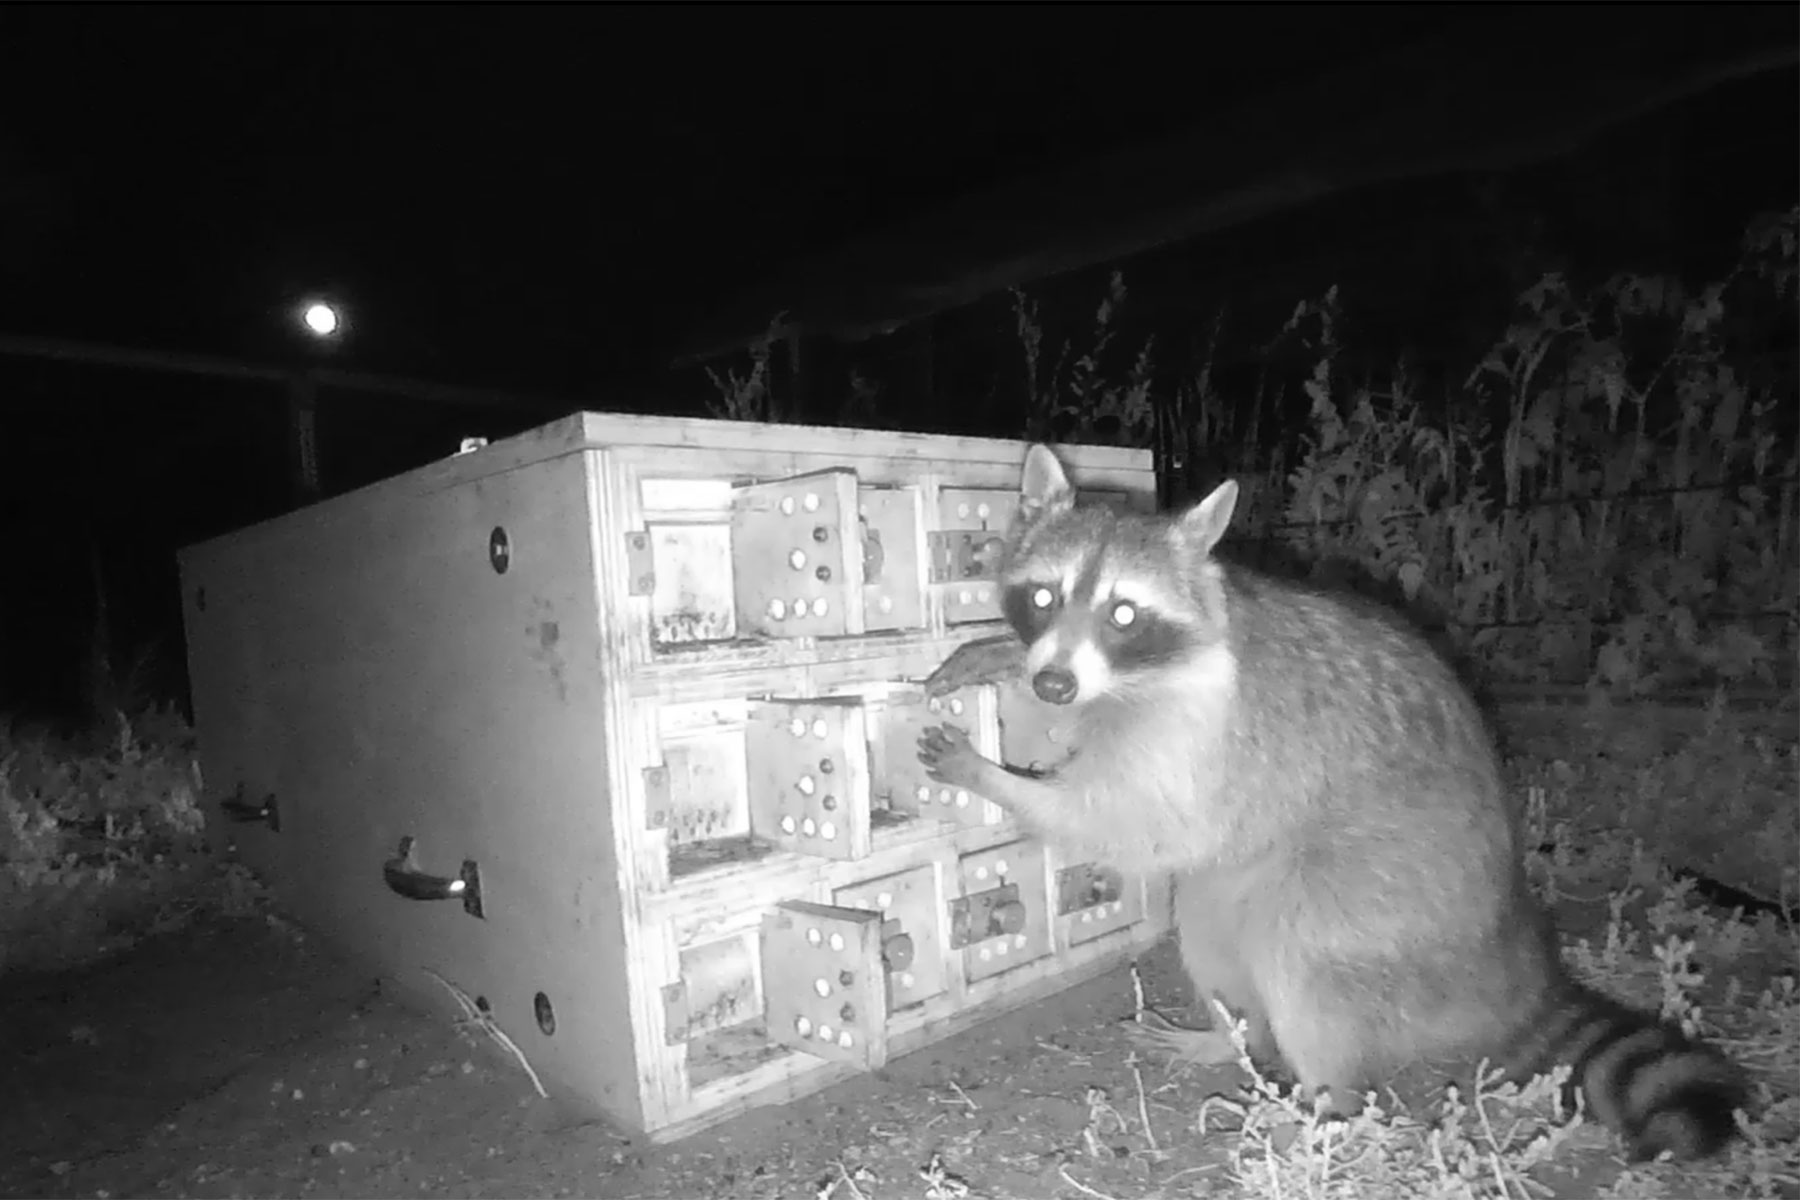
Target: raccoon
[(1326, 795)]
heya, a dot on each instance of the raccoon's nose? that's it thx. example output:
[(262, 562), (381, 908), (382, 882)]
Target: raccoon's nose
[(1054, 685)]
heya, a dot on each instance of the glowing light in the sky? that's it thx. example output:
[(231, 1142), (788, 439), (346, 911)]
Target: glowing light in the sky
[(321, 319)]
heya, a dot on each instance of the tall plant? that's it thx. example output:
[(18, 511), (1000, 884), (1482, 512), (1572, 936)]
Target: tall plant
[(1608, 496)]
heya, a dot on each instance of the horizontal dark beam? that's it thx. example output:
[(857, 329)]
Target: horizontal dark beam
[(130, 359), (1497, 92)]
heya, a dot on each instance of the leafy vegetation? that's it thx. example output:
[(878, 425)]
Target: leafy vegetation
[(102, 842), (1611, 495)]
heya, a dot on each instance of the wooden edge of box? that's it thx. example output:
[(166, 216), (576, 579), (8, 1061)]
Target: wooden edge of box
[(587, 430)]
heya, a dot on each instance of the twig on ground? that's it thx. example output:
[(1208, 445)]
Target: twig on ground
[(1079, 1186), (474, 1014)]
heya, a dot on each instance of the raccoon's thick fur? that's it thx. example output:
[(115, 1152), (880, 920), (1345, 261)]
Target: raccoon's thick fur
[(1348, 865)]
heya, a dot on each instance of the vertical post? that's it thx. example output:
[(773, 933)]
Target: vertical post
[(821, 378), (303, 440), (924, 358), (792, 407)]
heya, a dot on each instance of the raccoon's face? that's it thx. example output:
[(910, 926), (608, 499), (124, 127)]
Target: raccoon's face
[(1103, 600), (1090, 629)]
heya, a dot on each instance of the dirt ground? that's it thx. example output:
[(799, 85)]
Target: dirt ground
[(241, 1060)]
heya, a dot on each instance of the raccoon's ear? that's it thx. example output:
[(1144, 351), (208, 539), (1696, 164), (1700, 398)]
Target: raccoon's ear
[(1204, 524), (1044, 485)]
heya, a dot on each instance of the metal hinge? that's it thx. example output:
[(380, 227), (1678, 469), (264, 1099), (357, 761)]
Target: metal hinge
[(657, 798), (640, 565), (675, 1012)]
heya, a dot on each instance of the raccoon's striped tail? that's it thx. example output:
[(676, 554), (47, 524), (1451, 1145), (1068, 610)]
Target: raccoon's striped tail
[(1657, 1088)]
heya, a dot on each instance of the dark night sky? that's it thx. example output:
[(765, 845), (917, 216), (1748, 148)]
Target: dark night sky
[(542, 197), (527, 198)]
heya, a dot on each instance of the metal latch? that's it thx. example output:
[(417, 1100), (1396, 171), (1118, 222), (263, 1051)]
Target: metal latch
[(982, 916), (896, 946), (959, 554), (874, 556), (1085, 886)]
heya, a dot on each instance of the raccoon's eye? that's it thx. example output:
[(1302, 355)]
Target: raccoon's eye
[(1124, 614), (1042, 597)]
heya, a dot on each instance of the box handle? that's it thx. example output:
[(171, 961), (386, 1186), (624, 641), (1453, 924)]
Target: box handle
[(404, 878)]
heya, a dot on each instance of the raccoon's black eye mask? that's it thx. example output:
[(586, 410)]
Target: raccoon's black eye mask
[(1030, 607)]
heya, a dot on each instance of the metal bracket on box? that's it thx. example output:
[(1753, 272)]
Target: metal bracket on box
[(243, 812), (404, 878), (657, 799), (958, 554), (640, 565), (675, 1012)]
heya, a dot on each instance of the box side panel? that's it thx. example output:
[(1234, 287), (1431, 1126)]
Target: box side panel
[(377, 670), (239, 744)]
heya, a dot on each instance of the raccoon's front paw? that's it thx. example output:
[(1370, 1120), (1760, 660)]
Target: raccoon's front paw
[(949, 758)]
